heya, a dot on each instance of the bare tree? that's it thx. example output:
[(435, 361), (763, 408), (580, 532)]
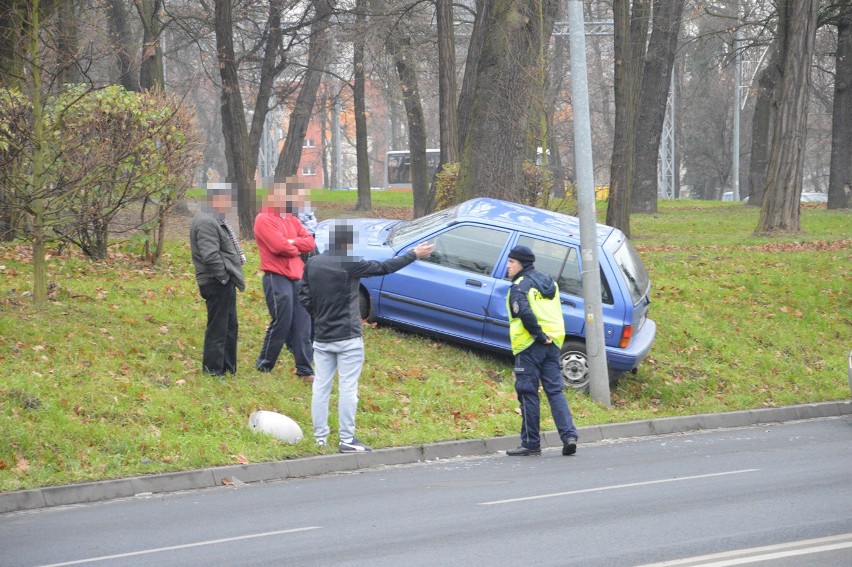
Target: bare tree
[(359, 101), (631, 28), (447, 83), (67, 43), (318, 54), (497, 128), (242, 145), (763, 122), (151, 68), (840, 175), (120, 38), (797, 24), (656, 78), (398, 44), (240, 162), (474, 53)]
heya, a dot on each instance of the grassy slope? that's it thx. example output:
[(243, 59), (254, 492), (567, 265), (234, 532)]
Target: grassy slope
[(103, 382)]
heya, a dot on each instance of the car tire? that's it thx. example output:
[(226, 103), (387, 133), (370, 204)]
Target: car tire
[(574, 365), (366, 307)]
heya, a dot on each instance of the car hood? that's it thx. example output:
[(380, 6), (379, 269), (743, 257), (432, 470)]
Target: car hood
[(369, 232)]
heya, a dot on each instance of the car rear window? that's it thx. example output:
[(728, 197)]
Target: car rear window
[(632, 270), (560, 262)]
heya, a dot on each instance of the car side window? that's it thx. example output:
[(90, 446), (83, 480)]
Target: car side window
[(469, 247), (560, 262)]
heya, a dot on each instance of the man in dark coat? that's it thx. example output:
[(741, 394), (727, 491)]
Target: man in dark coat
[(330, 293), (218, 260)]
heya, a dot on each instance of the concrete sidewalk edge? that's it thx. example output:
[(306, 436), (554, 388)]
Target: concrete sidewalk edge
[(315, 465)]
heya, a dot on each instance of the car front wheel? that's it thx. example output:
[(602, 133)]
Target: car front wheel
[(366, 307)]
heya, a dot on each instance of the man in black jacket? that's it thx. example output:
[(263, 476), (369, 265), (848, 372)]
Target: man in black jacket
[(330, 294), (218, 260)]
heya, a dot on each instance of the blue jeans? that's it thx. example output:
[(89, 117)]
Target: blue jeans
[(290, 325), (540, 363), (346, 358)]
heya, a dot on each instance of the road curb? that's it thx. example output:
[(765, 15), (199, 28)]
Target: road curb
[(310, 466)]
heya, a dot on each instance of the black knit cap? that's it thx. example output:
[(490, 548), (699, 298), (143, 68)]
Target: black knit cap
[(522, 254)]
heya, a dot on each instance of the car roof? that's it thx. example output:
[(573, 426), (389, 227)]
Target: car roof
[(516, 216)]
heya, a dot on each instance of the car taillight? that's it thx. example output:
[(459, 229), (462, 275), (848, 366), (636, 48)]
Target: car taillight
[(626, 335)]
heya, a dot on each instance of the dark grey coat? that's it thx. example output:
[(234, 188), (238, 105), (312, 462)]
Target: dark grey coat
[(215, 257)]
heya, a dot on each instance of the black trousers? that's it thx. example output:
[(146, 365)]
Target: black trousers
[(220, 338), (290, 326)]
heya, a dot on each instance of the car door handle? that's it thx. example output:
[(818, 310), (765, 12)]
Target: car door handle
[(474, 283), (571, 303)]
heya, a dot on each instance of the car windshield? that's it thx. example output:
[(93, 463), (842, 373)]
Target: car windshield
[(633, 271), (411, 231)]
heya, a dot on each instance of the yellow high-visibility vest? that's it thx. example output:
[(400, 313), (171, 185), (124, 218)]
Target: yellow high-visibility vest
[(549, 315)]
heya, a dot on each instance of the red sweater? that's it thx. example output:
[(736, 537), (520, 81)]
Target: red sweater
[(277, 255)]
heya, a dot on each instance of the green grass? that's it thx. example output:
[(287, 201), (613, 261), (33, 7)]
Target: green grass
[(104, 382)]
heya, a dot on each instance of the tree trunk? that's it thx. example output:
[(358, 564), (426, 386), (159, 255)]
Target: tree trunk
[(554, 100), (323, 117), (268, 72), (762, 124), (362, 156), (474, 53), (544, 14), (398, 45), (597, 72), (67, 43), (318, 53), (656, 80), (630, 27), (497, 128), (38, 208), (779, 212), (15, 26), (424, 199), (447, 83), (151, 70), (234, 128), (840, 173), (119, 34)]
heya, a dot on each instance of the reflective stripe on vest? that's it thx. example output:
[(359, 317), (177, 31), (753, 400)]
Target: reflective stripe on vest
[(549, 315)]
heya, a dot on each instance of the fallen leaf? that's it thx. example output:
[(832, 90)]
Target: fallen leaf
[(241, 459), (22, 465)]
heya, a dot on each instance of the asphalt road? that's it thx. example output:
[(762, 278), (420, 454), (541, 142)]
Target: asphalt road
[(762, 495)]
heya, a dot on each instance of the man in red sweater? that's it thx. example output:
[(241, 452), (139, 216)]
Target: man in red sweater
[(281, 240)]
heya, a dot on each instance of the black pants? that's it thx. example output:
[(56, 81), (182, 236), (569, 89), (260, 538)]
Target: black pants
[(220, 338), (290, 325)]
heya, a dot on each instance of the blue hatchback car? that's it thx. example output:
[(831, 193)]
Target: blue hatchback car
[(459, 292)]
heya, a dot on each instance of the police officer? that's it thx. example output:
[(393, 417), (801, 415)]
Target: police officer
[(537, 331)]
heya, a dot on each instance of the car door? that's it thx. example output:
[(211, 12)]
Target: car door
[(558, 260), (447, 292)]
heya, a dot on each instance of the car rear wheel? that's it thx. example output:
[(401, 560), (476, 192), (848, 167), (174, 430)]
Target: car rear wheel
[(366, 307), (575, 365)]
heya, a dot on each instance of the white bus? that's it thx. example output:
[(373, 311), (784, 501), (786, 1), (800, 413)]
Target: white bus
[(398, 168)]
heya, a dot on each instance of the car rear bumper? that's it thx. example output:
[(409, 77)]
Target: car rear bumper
[(626, 359)]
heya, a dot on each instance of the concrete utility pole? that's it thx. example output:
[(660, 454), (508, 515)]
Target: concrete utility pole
[(735, 142), (595, 347)]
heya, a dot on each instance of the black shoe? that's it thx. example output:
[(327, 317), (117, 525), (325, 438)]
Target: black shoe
[(523, 452), (570, 447)]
